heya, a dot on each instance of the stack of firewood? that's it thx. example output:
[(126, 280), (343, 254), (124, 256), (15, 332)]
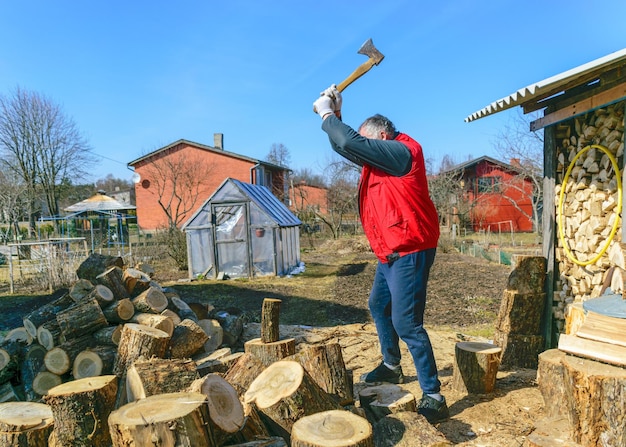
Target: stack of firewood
[(117, 360)]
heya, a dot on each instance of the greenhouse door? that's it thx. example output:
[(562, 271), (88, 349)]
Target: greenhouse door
[(232, 255)]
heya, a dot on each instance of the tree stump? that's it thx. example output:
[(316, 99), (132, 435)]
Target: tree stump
[(113, 278), (158, 376), (271, 352), (380, 401), (187, 339), (151, 300), (336, 428), (81, 409), (138, 341), (407, 429), (475, 367), (172, 419), (25, 424), (225, 409), (157, 321), (550, 380), (120, 311), (81, 319), (96, 361), (45, 313), (326, 366), (243, 372), (284, 392), (270, 315)]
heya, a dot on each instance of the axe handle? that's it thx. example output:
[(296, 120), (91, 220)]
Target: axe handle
[(356, 74)]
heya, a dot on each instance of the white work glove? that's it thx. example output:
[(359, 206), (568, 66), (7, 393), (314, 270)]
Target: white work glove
[(324, 105), (336, 97)]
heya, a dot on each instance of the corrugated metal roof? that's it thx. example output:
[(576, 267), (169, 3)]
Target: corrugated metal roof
[(549, 86), (268, 202)]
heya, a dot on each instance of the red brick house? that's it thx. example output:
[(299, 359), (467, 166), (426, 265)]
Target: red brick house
[(175, 180), (497, 195), (307, 198)]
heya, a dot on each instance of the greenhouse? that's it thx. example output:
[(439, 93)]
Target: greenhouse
[(242, 230)]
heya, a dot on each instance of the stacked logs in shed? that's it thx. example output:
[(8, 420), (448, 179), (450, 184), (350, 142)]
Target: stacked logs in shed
[(118, 360)]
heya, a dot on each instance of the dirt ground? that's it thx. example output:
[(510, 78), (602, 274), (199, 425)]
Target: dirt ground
[(328, 302)]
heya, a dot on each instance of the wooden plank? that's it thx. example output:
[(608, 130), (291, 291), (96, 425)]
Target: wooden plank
[(611, 95), (603, 328), (591, 349)]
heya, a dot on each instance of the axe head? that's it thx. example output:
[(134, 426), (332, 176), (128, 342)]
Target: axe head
[(370, 51)]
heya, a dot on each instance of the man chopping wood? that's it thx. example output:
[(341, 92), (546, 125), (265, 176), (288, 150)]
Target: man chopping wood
[(402, 227)]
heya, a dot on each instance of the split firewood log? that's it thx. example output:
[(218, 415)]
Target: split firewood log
[(138, 341), (135, 281), (49, 334), (380, 401), (113, 278), (270, 352), (146, 268), (187, 339), (284, 392), (475, 367), (158, 376), (339, 428), (225, 409), (31, 365), (181, 308), (82, 318), (25, 424), (326, 366), (243, 372), (95, 361), (59, 360), (215, 333), (157, 321), (151, 300), (187, 412), (109, 335), (18, 334), (81, 409), (232, 327), (119, 311), (80, 289), (172, 316), (220, 366), (270, 314), (45, 313)]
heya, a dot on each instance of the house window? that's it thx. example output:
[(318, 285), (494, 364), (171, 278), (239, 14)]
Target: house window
[(488, 185)]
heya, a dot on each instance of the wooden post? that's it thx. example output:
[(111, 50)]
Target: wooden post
[(270, 315), (25, 424), (475, 367)]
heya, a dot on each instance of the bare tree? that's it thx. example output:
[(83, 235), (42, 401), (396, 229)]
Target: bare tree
[(524, 148), (111, 184), (42, 146), (12, 195), (279, 155)]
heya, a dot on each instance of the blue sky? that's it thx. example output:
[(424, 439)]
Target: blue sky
[(138, 75)]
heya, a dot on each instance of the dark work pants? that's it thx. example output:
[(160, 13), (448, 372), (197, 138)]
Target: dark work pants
[(397, 303)]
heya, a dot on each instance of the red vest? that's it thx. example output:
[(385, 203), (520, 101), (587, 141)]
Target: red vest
[(396, 212)]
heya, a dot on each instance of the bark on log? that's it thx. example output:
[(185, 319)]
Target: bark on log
[(44, 381), (10, 359), (270, 316), (59, 359), (176, 419), (214, 331), (172, 316), (45, 313), (158, 376), (284, 392), (383, 400), (25, 424), (109, 335), (8, 393), (232, 328), (181, 308), (138, 341), (529, 274), (274, 441), (187, 339), (475, 367), (156, 321), (520, 313), (95, 264), (81, 319), (120, 311), (550, 380), (81, 409), (325, 364), (135, 281), (92, 362), (519, 351), (49, 334), (30, 367), (337, 428), (407, 429), (220, 366), (243, 372), (271, 352), (150, 300), (225, 409), (113, 278), (80, 289), (102, 294)]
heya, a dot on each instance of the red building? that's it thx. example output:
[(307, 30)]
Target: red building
[(497, 196)]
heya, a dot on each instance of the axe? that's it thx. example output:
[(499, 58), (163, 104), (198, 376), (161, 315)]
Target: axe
[(374, 58)]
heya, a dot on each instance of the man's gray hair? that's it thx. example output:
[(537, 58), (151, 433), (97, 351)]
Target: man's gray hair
[(376, 123)]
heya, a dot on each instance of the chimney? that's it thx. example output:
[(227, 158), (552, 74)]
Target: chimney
[(218, 141), (515, 162)]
